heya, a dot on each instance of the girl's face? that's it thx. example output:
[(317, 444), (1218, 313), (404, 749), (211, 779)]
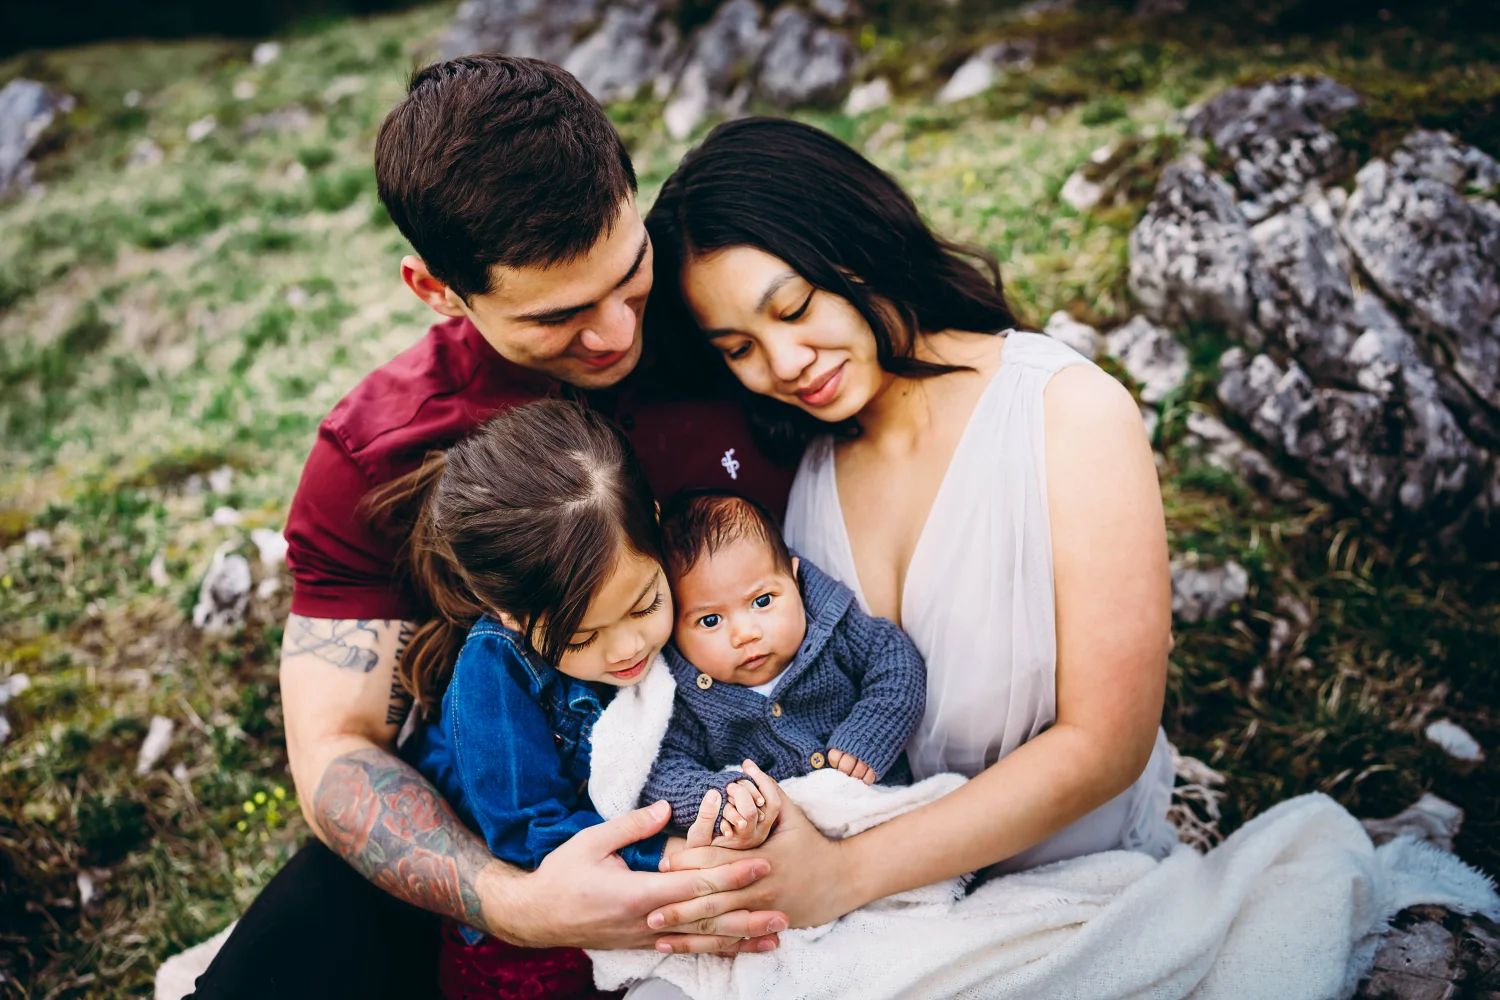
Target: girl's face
[(782, 337), (626, 625)]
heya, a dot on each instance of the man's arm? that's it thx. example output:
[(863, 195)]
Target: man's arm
[(344, 705)]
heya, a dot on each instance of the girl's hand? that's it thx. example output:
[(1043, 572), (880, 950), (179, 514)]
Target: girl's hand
[(852, 766)]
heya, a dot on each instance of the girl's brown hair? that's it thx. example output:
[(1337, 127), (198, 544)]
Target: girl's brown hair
[(525, 516)]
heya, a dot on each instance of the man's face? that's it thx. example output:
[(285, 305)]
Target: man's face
[(579, 322)]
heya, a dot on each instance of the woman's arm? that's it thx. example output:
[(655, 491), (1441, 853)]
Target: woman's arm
[(1113, 621)]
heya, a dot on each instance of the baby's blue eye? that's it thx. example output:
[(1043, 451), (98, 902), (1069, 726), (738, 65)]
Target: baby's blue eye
[(763, 601), (709, 621)]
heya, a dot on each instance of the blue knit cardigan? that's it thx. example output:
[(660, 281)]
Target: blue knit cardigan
[(857, 684)]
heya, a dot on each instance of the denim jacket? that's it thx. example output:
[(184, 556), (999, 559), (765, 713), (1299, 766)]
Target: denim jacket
[(510, 750)]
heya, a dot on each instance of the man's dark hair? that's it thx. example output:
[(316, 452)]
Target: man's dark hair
[(493, 159), (698, 523)]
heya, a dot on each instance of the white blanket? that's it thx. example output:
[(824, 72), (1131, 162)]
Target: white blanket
[(1290, 906)]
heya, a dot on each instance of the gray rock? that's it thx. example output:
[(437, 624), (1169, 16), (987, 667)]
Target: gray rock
[(1415, 962), (225, 593), (1431, 819), (804, 63), (1192, 257), (1307, 295), (632, 47), (716, 73), (1275, 138), (835, 11), (1151, 355), (980, 72), (1455, 741), (1200, 594), (1221, 447), (1080, 336), (1433, 251), (27, 108), (544, 29), (1338, 436)]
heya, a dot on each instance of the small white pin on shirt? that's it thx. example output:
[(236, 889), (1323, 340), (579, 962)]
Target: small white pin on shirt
[(730, 464)]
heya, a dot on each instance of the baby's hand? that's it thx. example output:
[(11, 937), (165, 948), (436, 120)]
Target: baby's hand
[(852, 766), (750, 813)]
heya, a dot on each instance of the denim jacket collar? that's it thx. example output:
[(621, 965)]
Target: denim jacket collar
[(542, 677)]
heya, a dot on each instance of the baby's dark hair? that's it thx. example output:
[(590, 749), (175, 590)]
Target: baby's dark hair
[(698, 523), (524, 516)]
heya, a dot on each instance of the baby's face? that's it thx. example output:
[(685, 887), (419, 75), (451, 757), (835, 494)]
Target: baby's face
[(739, 617)]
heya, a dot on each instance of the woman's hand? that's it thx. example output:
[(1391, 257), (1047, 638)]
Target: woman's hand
[(812, 879), (583, 895)]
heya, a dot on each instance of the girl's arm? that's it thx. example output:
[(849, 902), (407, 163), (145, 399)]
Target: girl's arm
[(507, 764), (1113, 596)]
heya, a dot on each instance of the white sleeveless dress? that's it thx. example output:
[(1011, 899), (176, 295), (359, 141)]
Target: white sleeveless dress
[(979, 603)]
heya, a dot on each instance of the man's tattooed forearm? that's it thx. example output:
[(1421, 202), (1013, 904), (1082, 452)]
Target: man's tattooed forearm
[(347, 643), (378, 814), (399, 705)]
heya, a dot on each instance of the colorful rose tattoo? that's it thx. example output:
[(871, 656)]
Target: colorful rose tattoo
[(379, 815)]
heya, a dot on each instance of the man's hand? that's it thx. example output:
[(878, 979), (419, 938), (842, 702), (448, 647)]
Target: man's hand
[(852, 766), (584, 895)]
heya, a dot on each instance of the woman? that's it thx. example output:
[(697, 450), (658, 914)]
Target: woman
[(991, 491)]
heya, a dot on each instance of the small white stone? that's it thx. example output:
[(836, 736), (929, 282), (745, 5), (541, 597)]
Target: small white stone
[(86, 889), (202, 128), (1152, 357), (1080, 336), (226, 517), (18, 684), (157, 571), (296, 172), (36, 538), (221, 479), (180, 773), (1151, 419), (296, 296), (244, 90), (342, 87), (1080, 193), (154, 746), (268, 588), (272, 546), (265, 53), (1454, 740), (971, 79), (868, 97), (146, 153), (132, 98)]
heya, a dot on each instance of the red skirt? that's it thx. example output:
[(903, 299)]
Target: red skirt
[(495, 970)]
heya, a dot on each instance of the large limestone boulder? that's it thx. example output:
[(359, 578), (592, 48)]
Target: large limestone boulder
[(799, 54), (1370, 322)]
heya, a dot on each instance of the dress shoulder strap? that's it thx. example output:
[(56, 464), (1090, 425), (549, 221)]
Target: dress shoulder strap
[(1037, 350)]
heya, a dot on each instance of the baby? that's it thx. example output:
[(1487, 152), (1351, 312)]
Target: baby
[(777, 669)]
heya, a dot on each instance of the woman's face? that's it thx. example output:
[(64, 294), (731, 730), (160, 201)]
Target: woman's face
[(782, 337)]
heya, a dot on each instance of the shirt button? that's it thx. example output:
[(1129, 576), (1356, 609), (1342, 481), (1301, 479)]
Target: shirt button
[(816, 760), (705, 682), (776, 709)]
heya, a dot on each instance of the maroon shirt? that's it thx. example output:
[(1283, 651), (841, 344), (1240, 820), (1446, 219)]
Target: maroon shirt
[(432, 395)]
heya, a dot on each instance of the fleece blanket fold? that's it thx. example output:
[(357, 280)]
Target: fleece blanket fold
[(1292, 905)]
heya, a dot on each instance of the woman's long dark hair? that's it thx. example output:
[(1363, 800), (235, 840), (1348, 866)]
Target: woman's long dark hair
[(845, 226), (524, 516)]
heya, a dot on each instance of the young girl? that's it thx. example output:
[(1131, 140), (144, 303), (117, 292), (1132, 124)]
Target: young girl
[(537, 542)]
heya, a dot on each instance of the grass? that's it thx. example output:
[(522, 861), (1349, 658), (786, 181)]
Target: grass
[(162, 322)]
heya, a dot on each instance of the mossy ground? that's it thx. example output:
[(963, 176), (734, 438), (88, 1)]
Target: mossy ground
[(158, 322)]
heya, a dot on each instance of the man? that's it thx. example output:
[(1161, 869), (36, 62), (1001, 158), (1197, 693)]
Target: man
[(519, 198)]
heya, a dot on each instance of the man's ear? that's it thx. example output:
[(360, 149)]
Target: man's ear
[(433, 291)]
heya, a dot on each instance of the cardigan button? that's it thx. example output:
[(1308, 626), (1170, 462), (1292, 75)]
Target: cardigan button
[(816, 760), (776, 709), (705, 682)]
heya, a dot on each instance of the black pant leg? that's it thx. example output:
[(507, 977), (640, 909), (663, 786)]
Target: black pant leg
[(320, 930)]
